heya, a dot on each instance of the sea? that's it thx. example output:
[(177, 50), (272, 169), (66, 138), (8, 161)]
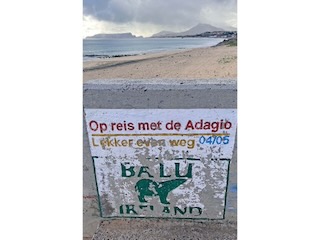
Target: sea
[(110, 48)]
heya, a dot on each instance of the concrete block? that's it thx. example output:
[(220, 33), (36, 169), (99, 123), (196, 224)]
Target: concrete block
[(155, 94)]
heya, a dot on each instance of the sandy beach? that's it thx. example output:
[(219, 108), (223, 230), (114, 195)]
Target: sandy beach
[(201, 63)]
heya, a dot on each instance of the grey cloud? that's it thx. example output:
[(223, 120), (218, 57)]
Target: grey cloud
[(159, 12)]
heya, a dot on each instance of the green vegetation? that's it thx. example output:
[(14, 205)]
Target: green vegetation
[(230, 42)]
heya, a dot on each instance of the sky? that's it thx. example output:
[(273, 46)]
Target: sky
[(147, 17)]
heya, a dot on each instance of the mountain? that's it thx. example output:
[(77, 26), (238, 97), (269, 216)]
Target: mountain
[(112, 35), (163, 33), (198, 29)]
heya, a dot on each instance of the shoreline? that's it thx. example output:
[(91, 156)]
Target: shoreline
[(88, 55), (96, 57), (110, 62), (219, 61)]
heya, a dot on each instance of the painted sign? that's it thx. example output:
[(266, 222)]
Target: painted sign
[(166, 163)]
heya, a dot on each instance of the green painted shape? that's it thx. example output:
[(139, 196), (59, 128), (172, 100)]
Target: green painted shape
[(177, 170), (150, 188), (144, 169), (124, 171)]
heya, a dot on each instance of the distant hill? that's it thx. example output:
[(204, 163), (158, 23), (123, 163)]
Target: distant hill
[(198, 29), (163, 33), (112, 35)]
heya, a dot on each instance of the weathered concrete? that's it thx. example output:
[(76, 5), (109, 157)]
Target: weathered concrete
[(143, 229), (165, 94)]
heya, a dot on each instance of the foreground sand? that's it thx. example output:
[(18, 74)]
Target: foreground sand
[(201, 63)]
